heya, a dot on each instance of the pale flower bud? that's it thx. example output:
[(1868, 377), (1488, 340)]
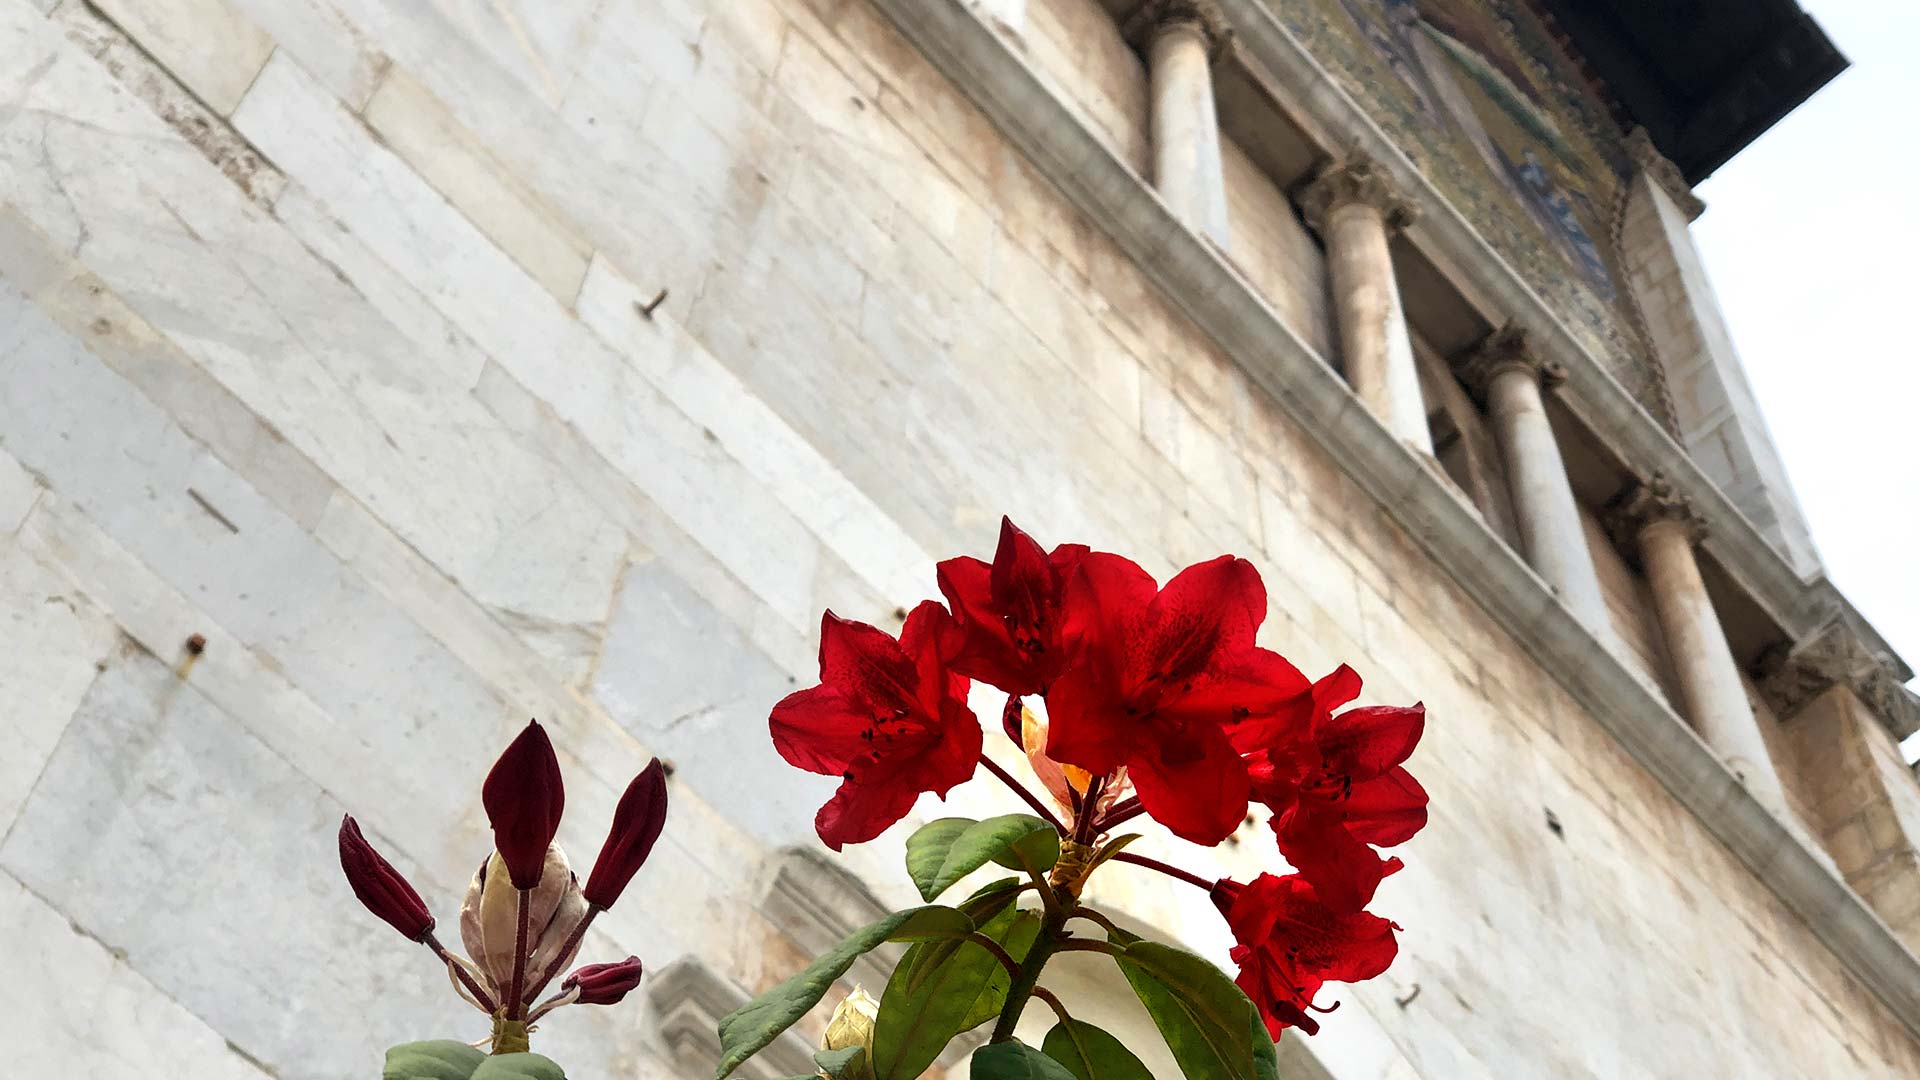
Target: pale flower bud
[(490, 917), (852, 1023)]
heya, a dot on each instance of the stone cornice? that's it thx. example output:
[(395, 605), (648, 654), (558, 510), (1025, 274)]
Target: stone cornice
[(1664, 173), (1506, 349), (1791, 677), (1647, 502), (1222, 305), (1351, 178), (689, 999), (1152, 16)]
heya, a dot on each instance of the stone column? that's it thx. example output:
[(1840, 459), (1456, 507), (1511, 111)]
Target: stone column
[(1011, 14), (1657, 521), (1506, 377), (1353, 207), (1181, 37)]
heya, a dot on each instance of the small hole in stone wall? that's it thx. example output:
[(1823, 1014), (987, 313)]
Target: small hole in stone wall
[(900, 614), (666, 768), (1554, 826)]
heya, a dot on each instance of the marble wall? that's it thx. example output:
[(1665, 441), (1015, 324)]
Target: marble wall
[(319, 339)]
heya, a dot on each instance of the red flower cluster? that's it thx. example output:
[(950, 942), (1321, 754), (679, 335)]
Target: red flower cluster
[(1160, 686), (525, 913)]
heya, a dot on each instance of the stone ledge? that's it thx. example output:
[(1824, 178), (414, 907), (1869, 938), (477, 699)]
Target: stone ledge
[(1227, 308)]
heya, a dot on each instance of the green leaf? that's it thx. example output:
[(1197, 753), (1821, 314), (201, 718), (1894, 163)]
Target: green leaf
[(1091, 1054), (1113, 847), (990, 899), (848, 1064), (941, 989), (944, 851), (748, 1029), (1015, 1060), (518, 1067), (1205, 1019), (435, 1059), (1266, 1057)]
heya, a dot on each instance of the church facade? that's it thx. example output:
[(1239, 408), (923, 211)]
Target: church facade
[(375, 375)]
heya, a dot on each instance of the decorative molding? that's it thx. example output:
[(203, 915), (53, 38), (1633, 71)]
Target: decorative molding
[(1506, 349), (1663, 172), (1352, 178), (1648, 502), (1154, 16), (1791, 676), (689, 998), (1197, 278)]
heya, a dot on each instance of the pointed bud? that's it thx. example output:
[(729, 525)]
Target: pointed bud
[(636, 825), (852, 1023), (604, 984), (1224, 893), (524, 798), (379, 886)]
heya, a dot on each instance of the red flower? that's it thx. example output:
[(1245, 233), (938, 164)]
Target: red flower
[(1159, 674), (1336, 785), (523, 797), (889, 717), (637, 822), (1009, 613), (604, 984), (379, 886), (1290, 944)]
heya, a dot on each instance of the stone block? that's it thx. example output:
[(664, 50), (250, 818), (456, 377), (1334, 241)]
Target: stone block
[(213, 49)]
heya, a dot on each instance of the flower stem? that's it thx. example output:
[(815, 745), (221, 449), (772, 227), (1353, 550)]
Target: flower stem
[(565, 954), (1052, 937), (1020, 790), (1120, 812), (459, 972), (1053, 1003), (516, 1008), (1171, 871)]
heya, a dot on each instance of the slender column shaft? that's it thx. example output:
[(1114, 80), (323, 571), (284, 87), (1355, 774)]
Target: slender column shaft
[(1351, 205), (1508, 378), (1710, 688), (1011, 14), (1187, 168)]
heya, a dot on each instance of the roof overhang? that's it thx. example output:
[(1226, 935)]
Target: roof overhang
[(1704, 77)]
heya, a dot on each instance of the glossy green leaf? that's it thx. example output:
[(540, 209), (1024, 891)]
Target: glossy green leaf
[(990, 899), (944, 851), (748, 1029), (984, 908), (941, 989), (518, 1067), (1266, 1056), (434, 1059), (1091, 1054), (1015, 1060), (848, 1064), (1205, 1019)]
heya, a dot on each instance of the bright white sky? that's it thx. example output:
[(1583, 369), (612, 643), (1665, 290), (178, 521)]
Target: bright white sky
[(1812, 239)]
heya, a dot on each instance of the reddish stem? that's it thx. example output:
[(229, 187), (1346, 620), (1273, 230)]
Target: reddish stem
[(467, 980), (566, 953), (1171, 871), (517, 1008), (1125, 810), (1018, 789)]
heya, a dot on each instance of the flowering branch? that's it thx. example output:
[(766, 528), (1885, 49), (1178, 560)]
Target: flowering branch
[(1019, 789), (1171, 871)]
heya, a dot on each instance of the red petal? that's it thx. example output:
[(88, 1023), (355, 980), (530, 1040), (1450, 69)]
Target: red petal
[(1208, 612), (1105, 595), (1194, 784), (1335, 689), (818, 729), (637, 821), (1343, 871), (1085, 726), (1022, 579), (866, 664), (1364, 743), (862, 810), (524, 798), (1387, 811)]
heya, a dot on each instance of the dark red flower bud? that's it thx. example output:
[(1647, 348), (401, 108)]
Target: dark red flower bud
[(524, 798), (636, 825), (604, 984), (1224, 893), (379, 886)]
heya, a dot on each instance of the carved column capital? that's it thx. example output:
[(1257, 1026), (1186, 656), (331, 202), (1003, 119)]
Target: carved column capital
[(1791, 674), (1662, 171), (1649, 502), (1506, 349), (1154, 16), (1352, 179)]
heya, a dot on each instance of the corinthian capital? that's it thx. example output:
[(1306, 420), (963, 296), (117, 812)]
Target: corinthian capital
[(1353, 178), (1791, 675), (1649, 502), (1154, 16), (1664, 172), (1506, 349)]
